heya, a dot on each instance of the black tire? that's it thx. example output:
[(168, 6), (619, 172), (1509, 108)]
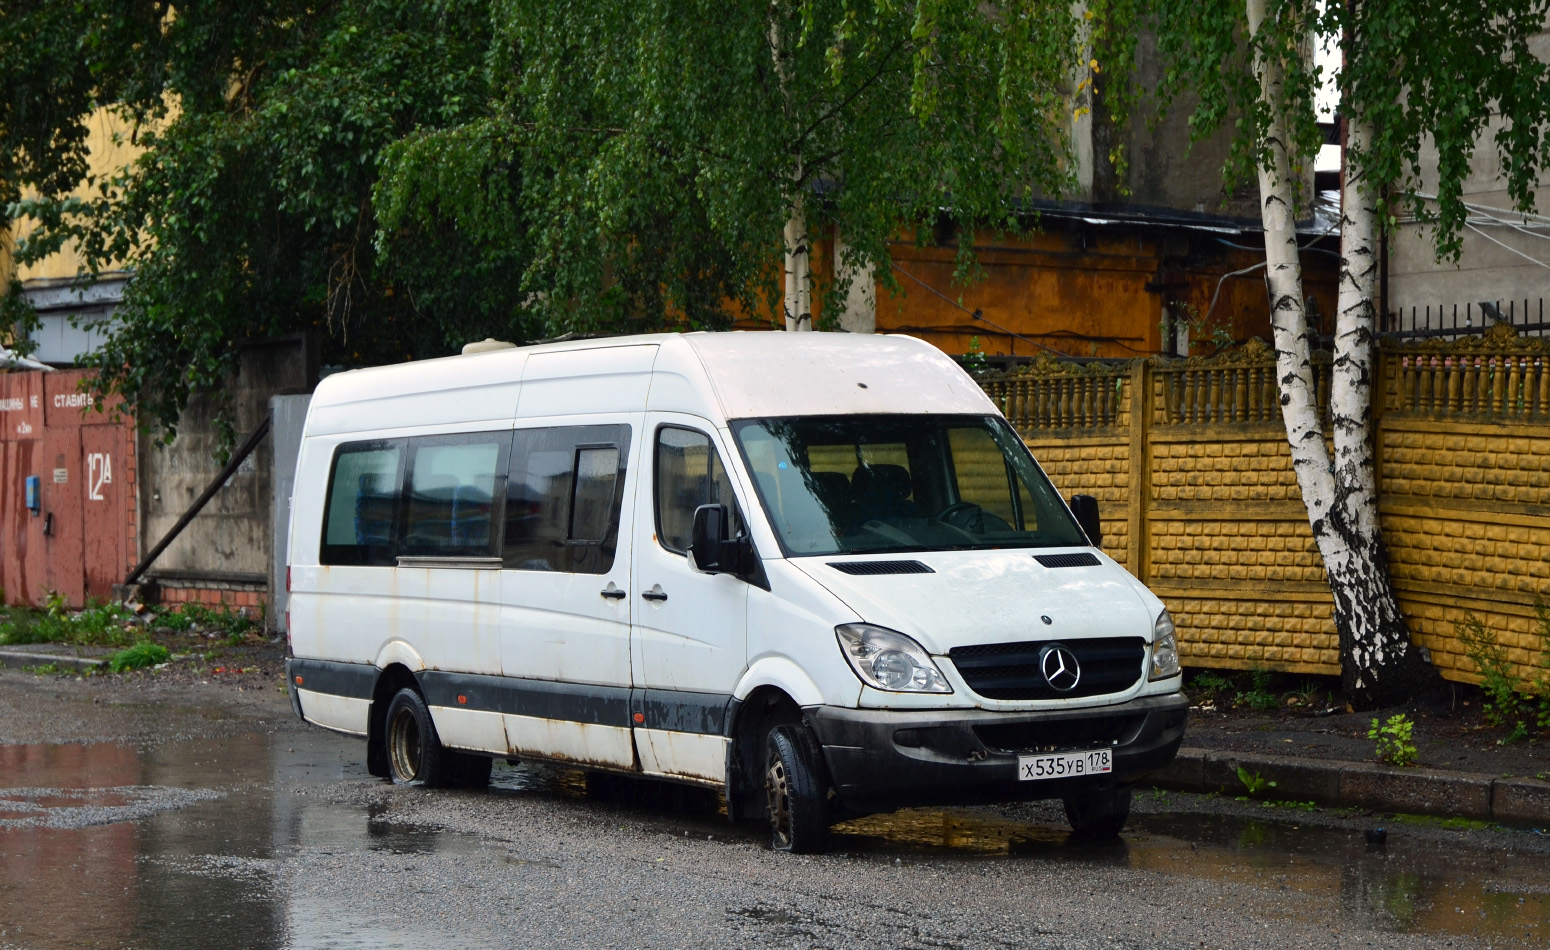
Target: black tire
[(1098, 814), (414, 751), (795, 791)]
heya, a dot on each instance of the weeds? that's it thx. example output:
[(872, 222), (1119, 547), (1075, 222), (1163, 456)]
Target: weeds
[(1207, 683), (226, 622), (1253, 782), (139, 656), (1510, 703), (1395, 740), (1259, 695), (97, 625)]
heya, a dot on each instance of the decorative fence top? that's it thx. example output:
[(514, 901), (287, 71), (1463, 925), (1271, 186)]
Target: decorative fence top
[(1055, 395), (1499, 376)]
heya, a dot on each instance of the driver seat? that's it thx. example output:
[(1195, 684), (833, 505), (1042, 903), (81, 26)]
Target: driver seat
[(882, 492)]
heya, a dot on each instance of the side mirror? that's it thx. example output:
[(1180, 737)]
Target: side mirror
[(1085, 507), (710, 550)]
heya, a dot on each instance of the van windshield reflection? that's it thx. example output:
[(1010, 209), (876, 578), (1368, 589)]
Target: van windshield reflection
[(898, 483)]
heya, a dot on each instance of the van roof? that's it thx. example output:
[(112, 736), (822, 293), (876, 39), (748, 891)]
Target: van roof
[(741, 373)]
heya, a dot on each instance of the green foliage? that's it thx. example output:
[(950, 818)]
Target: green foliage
[(1454, 76), (1504, 706), (97, 625), (138, 657), (1207, 683), (1254, 783), (250, 213), (1259, 696), (1393, 738), (660, 147), (232, 623)]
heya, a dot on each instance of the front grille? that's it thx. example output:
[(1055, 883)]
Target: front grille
[(1011, 670), (1058, 735), (881, 567), (1081, 559)]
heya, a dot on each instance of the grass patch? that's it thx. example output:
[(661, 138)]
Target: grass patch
[(138, 657), (97, 625)]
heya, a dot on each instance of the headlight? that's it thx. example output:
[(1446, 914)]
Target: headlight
[(889, 661), (1165, 649)]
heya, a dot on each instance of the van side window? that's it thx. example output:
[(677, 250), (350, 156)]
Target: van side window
[(689, 474), (362, 503), (450, 496), (563, 498)]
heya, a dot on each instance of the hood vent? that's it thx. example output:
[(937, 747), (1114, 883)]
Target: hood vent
[(881, 567), (1067, 560)]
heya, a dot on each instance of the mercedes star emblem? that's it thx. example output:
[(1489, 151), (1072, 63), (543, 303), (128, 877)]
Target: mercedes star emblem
[(1060, 668)]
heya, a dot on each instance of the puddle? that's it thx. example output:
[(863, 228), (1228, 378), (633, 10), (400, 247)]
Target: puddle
[(1412, 885), (233, 841)]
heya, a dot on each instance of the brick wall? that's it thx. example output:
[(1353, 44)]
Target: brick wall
[(1201, 503)]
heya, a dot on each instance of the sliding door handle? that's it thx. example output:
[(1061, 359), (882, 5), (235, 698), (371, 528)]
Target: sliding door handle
[(612, 592), (656, 593)]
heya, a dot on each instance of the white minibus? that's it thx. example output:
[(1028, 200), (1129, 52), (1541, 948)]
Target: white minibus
[(817, 572)]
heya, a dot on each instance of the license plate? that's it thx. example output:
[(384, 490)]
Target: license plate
[(1031, 768)]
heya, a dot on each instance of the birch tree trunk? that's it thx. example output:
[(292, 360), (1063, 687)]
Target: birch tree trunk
[(1378, 663), (798, 303), (799, 282), (1379, 666)]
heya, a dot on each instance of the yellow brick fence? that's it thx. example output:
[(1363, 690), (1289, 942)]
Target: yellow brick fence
[(1190, 465)]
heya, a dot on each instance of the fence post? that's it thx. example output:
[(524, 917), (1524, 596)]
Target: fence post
[(1140, 464)]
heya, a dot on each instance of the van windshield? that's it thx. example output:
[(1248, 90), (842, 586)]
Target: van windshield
[(894, 483)]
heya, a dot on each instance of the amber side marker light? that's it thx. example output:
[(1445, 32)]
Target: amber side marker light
[(298, 681), (640, 717), (462, 700)]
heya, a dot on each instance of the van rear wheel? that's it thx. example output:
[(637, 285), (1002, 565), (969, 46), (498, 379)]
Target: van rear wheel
[(1099, 814), (794, 790), (414, 751)]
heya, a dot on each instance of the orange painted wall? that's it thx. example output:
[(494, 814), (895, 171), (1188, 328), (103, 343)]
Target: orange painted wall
[(1084, 291)]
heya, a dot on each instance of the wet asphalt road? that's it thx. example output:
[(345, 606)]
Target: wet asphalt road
[(214, 820)]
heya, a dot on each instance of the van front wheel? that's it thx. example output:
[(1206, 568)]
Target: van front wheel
[(415, 753), (794, 791), (1098, 814)]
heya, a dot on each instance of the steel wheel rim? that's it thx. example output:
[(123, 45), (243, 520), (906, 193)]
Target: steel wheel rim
[(404, 745), (778, 793)]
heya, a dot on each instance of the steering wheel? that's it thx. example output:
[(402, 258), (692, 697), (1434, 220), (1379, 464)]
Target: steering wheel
[(954, 512)]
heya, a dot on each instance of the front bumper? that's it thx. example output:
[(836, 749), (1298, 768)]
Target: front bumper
[(882, 759)]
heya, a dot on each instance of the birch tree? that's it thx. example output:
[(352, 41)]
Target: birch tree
[(1418, 77), (684, 155)]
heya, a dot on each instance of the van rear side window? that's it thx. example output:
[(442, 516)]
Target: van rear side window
[(360, 527), (450, 504), (563, 498)]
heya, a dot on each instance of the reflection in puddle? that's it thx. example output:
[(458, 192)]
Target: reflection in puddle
[(959, 832)]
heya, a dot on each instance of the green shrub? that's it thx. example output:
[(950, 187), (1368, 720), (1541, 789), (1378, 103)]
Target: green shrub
[(1253, 782), (1503, 706), (1207, 683), (139, 656), (1394, 738), (230, 622), (1259, 695)]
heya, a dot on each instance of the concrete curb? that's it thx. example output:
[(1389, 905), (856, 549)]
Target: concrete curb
[(1518, 801), (21, 658)]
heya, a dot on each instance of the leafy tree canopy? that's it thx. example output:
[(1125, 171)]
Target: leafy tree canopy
[(1437, 79), (411, 174), (250, 214), (663, 144)]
